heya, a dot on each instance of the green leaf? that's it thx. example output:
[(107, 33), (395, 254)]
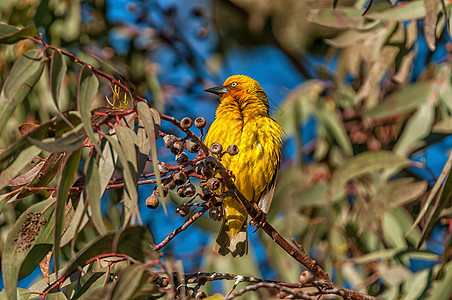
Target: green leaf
[(128, 283), (55, 127), (28, 230), (58, 69), (134, 241), (432, 8), (94, 193), (417, 128), (128, 139), (334, 127), (442, 289), (363, 163), (403, 101), (401, 12), (393, 233), (19, 163), (440, 204), (45, 175), (22, 78), (65, 183), (11, 34), (416, 285), (78, 220), (65, 143), (148, 117), (88, 87)]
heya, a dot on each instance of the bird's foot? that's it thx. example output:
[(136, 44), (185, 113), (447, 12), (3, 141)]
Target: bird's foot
[(259, 220)]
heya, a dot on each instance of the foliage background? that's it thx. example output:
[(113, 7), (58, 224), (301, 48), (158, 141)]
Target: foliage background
[(356, 96)]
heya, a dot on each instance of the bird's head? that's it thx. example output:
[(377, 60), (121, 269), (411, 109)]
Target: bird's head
[(241, 87)]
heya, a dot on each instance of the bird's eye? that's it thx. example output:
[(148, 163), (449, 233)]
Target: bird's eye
[(233, 84)]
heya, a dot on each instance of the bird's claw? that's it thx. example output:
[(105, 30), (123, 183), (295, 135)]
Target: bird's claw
[(259, 220)]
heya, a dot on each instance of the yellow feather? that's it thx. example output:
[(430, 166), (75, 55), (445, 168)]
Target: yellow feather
[(242, 119)]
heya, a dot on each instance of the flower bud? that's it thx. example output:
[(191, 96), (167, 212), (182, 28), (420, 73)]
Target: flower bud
[(306, 277)]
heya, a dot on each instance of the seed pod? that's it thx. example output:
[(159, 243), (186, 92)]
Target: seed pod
[(177, 147), (200, 122), (163, 282), (163, 169), (216, 213), (180, 191), (169, 140), (213, 183), (152, 202), (179, 178), (200, 295), (198, 167), (207, 172), (232, 150), (164, 189), (189, 190), (183, 210), (216, 148), (186, 123), (210, 162), (169, 183), (192, 146), (205, 194), (182, 158)]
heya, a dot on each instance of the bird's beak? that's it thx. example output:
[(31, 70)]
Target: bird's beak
[(219, 90)]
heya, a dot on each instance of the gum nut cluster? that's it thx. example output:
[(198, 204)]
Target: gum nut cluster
[(204, 167)]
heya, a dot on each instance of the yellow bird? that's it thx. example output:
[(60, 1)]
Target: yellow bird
[(243, 119)]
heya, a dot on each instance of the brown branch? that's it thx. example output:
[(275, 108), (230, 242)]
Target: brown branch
[(302, 257), (269, 285), (183, 227)]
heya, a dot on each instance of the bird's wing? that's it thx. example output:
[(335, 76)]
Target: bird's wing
[(267, 196)]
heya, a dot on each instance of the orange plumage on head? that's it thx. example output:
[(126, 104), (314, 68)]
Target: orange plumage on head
[(243, 119)]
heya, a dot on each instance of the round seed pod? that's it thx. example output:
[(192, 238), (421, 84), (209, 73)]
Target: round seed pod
[(180, 191), (207, 172), (186, 123), (216, 148), (169, 183), (205, 194), (169, 140), (152, 202), (198, 167), (192, 146), (182, 158), (179, 178), (183, 210), (213, 183), (189, 190), (177, 147), (216, 213), (200, 295), (211, 162), (164, 189), (200, 122), (232, 150)]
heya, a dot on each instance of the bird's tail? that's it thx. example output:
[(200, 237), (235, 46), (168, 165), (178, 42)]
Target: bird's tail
[(233, 237)]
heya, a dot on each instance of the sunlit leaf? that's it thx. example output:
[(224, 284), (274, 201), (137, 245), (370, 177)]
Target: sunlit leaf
[(340, 18), (65, 143), (23, 76), (442, 289), (128, 283)]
